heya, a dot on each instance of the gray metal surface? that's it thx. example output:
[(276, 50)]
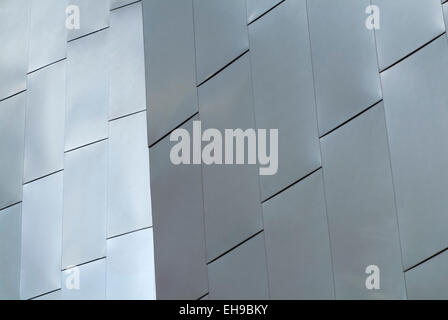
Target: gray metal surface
[(416, 114), (284, 93), (14, 54), (129, 203), (178, 213), (45, 119), (344, 60), (48, 33), (41, 236), (127, 62), (419, 22), (170, 65), (87, 90), (94, 16), (297, 242), (85, 205), (10, 247), (12, 132), (130, 266), (361, 208), (241, 274), (220, 33), (231, 192)]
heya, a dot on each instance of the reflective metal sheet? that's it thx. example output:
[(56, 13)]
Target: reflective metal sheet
[(240, 274), (10, 242), (129, 203), (45, 118), (87, 90), (220, 33), (361, 209), (48, 32), (12, 131), (416, 100), (85, 205), (127, 64), (130, 267), (14, 40), (284, 93), (41, 236)]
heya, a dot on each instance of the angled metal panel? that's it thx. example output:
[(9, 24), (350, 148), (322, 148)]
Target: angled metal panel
[(220, 34), (284, 92), (92, 282), (130, 267), (52, 296), (256, 8), (48, 32), (361, 209), (127, 65), (429, 280), (87, 90), (416, 102), (10, 243), (419, 22), (84, 223), (178, 215), (14, 40), (118, 3), (344, 60), (170, 65), (45, 118), (297, 242), (129, 202), (94, 16), (41, 236), (12, 132), (231, 192), (241, 274)]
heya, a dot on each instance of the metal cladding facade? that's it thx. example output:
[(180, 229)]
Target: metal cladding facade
[(75, 219), (88, 191)]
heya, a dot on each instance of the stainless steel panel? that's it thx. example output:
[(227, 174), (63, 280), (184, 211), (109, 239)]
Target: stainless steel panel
[(94, 16), (14, 39), (84, 223), (416, 112), (118, 3), (429, 280), (127, 65), (445, 14), (10, 242), (177, 209), (48, 32), (344, 59), (361, 209), (12, 132), (220, 34), (45, 117), (87, 90), (130, 267), (297, 242), (52, 296), (406, 25), (231, 192), (170, 65), (240, 274), (256, 8), (284, 91), (129, 198), (92, 282), (41, 236)]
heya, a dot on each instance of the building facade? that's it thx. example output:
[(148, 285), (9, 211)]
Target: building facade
[(93, 207)]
